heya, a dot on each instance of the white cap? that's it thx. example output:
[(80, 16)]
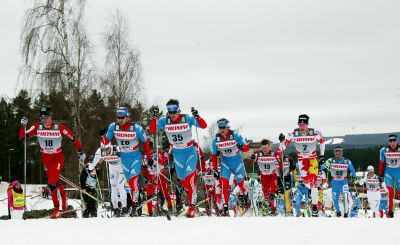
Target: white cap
[(370, 168)]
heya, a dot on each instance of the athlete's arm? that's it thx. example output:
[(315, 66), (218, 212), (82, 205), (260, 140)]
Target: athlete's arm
[(67, 133)]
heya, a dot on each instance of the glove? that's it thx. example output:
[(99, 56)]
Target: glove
[(355, 181), (149, 162), (381, 180), (253, 157), (296, 184), (281, 137), (239, 146), (195, 113), (156, 112), (321, 159), (24, 121), (81, 155), (216, 174)]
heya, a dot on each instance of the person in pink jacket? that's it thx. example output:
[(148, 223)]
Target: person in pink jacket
[(16, 200)]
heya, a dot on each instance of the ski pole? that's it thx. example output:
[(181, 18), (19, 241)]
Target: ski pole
[(283, 182), (198, 154), (25, 165), (67, 181)]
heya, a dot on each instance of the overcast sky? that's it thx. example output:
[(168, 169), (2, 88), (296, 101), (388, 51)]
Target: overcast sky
[(258, 63)]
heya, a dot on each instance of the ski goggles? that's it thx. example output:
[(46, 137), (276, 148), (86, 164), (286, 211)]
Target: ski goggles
[(223, 124), (172, 109)]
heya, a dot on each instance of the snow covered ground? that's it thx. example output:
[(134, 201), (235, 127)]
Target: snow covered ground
[(200, 230)]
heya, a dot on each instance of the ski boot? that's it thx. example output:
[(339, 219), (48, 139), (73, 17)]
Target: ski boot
[(390, 214), (170, 210), (225, 211), (314, 210), (179, 209), (135, 209), (244, 200), (345, 215), (191, 211), (207, 212), (273, 211), (117, 212), (338, 214), (56, 213)]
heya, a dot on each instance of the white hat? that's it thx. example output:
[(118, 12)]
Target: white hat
[(370, 168)]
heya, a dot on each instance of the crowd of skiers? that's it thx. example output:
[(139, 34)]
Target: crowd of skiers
[(275, 184)]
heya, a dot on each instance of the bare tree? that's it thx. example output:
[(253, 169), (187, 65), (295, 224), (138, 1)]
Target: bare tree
[(122, 80), (56, 51)]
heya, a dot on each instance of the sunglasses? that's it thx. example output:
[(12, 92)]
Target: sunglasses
[(222, 127), (392, 140), (172, 112), (120, 118)]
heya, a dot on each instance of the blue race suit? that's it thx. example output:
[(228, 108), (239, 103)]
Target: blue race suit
[(339, 169)]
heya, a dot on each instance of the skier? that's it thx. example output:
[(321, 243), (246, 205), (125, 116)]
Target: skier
[(233, 202), (384, 203), (389, 168), (321, 185), (229, 144), (306, 140), (339, 167), (210, 183), (178, 128), (302, 191), (16, 200), (286, 175), (152, 184), (268, 166), (88, 181), (108, 154), (128, 135), (49, 134), (356, 205), (373, 184)]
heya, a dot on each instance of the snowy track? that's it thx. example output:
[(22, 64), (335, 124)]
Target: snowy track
[(204, 230)]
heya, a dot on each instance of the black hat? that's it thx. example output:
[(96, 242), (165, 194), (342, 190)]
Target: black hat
[(303, 118), (45, 111), (392, 137)]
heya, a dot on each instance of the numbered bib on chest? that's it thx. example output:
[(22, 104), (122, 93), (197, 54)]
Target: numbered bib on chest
[(49, 139), (113, 160), (305, 144), (339, 171), (127, 140), (392, 159), (372, 184), (178, 134), (228, 148), (267, 164)]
